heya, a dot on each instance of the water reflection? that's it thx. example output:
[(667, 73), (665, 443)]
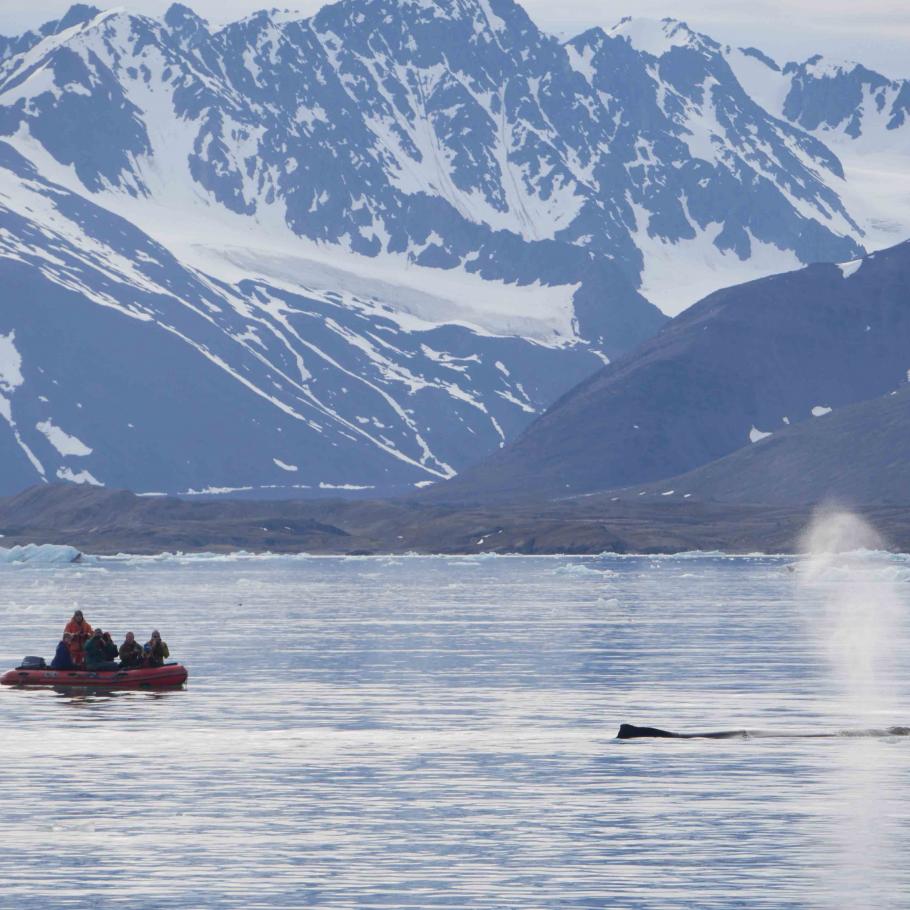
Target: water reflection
[(79, 694)]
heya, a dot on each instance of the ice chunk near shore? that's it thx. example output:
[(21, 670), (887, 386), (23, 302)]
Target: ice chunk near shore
[(39, 554), (578, 568)]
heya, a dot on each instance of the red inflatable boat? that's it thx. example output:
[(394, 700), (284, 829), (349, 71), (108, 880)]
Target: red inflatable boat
[(167, 677)]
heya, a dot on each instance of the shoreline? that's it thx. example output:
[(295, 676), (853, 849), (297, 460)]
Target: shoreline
[(87, 558), (107, 522)]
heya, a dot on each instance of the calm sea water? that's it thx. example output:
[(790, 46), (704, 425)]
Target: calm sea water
[(433, 732)]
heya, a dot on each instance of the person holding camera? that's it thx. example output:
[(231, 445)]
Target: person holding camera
[(108, 647), (157, 650), (130, 652), (95, 654)]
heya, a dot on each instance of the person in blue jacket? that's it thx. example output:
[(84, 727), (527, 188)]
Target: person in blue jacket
[(63, 660)]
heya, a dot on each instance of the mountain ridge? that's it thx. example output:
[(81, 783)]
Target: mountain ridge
[(399, 231), (722, 376)]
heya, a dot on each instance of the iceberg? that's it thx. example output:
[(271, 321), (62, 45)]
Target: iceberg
[(43, 554)]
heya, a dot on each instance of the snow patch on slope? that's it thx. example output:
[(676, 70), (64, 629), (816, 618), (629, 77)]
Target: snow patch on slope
[(415, 297), (763, 84), (678, 274), (653, 37), (78, 477), (63, 442), (11, 378), (877, 189), (10, 364), (850, 268)]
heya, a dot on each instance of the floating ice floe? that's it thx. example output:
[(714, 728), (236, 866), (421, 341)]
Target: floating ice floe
[(578, 568), (44, 554)]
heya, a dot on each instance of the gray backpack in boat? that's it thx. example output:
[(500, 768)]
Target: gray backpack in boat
[(33, 663)]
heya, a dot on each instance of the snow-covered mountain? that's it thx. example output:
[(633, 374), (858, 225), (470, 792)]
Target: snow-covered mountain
[(862, 116), (120, 365), (366, 248)]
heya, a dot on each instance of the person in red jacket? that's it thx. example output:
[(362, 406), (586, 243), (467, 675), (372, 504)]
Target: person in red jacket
[(80, 631)]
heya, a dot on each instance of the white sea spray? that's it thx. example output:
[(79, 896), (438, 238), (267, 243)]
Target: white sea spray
[(855, 604)]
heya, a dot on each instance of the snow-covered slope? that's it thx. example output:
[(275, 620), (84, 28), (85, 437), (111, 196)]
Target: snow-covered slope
[(861, 115), (452, 135), (121, 365), (374, 243)]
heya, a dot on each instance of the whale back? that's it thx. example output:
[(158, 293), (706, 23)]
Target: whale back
[(630, 731)]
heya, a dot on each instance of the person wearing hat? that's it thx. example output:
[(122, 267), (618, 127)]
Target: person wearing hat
[(130, 652), (108, 646), (79, 631), (157, 650), (95, 656)]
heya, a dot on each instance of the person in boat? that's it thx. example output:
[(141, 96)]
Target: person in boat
[(80, 631), (110, 649), (95, 657), (157, 650), (130, 652), (63, 659)]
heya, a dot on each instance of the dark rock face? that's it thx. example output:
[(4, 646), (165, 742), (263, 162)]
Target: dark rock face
[(834, 97), (743, 363)]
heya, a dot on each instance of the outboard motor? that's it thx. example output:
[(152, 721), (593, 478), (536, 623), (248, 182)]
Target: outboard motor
[(32, 663)]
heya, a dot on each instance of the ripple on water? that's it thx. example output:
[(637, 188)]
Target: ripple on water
[(440, 733)]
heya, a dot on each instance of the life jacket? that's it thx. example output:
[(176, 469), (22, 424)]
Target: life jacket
[(81, 634)]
